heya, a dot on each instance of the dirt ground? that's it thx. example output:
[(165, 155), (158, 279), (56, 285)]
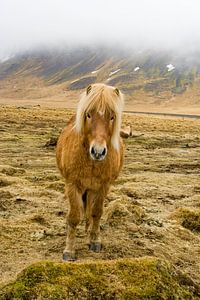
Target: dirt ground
[(161, 174)]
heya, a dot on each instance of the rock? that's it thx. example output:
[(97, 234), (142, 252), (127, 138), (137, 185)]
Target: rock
[(126, 132), (38, 235)]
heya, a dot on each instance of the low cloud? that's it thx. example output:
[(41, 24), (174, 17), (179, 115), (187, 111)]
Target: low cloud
[(158, 24)]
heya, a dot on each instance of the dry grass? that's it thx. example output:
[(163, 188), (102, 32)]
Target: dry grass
[(161, 173), (30, 90), (188, 218)]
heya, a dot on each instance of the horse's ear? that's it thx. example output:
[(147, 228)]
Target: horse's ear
[(88, 89), (116, 91)]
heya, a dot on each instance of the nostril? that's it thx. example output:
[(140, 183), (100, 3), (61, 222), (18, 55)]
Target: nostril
[(92, 151), (104, 152)]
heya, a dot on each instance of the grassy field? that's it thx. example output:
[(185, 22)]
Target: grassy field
[(21, 90), (143, 213)]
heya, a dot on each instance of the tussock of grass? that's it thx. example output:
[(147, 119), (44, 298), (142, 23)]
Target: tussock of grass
[(12, 171), (120, 210), (189, 219), (145, 278), (57, 186), (4, 182)]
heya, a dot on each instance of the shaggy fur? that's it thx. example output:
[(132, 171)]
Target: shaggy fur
[(98, 120), (104, 99)]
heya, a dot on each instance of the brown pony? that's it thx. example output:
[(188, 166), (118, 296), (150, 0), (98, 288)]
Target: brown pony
[(90, 156)]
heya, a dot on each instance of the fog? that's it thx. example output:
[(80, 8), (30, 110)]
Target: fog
[(158, 24)]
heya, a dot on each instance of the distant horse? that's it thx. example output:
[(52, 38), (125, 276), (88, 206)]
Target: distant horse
[(90, 156)]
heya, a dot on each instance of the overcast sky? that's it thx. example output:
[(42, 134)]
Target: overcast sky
[(25, 24)]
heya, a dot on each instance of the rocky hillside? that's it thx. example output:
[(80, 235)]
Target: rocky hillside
[(146, 77)]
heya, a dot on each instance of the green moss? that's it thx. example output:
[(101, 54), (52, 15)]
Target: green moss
[(19, 291), (145, 278), (189, 219), (50, 291)]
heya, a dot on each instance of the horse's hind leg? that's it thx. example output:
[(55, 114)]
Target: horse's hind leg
[(88, 212), (96, 210), (74, 217), (95, 239)]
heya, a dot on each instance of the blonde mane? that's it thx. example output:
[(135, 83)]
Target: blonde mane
[(101, 98)]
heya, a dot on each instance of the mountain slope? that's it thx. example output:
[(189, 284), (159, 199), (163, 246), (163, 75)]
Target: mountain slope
[(147, 78)]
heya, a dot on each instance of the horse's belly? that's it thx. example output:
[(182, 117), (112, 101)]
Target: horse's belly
[(94, 180)]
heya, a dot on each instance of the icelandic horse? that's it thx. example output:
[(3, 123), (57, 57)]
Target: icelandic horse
[(90, 156)]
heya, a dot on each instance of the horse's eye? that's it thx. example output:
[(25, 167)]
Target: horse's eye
[(88, 115), (112, 118)]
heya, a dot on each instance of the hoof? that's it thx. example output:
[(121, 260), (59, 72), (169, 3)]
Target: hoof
[(67, 256), (95, 247)]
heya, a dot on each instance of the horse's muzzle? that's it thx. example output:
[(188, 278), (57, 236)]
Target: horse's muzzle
[(98, 152)]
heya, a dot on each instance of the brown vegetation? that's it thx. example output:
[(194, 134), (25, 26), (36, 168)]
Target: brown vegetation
[(160, 174)]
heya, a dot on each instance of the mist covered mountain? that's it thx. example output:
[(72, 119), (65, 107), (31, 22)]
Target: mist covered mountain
[(159, 75)]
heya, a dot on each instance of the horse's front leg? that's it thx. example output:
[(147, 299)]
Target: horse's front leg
[(74, 217), (96, 202)]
